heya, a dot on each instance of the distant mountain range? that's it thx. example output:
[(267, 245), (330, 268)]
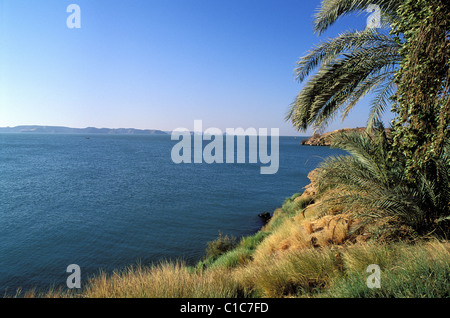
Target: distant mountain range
[(89, 130)]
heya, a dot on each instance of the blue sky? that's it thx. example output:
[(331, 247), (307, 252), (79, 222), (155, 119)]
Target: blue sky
[(158, 64)]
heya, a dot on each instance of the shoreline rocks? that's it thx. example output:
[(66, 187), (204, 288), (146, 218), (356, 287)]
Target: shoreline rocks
[(265, 216), (325, 139)]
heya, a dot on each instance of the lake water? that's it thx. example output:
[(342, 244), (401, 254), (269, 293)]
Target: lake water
[(110, 201)]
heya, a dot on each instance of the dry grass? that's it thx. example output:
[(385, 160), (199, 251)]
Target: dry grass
[(331, 229), (417, 271), (301, 232), (341, 271), (167, 280), (295, 273), (288, 236)]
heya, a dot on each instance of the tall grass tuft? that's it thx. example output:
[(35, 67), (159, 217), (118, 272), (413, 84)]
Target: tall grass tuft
[(166, 280), (297, 273), (414, 271)]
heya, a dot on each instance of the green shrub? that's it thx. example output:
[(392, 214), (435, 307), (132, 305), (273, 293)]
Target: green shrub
[(236, 257), (251, 242), (291, 206), (220, 246)]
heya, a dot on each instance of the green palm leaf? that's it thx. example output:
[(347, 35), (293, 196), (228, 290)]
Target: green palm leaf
[(342, 82), (347, 68), (372, 187), (331, 10)]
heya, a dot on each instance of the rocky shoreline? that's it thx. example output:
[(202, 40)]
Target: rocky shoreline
[(325, 139)]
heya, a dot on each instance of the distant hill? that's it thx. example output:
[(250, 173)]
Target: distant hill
[(89, 130)]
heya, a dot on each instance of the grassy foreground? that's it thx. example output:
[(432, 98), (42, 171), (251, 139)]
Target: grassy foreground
[(299, 253)]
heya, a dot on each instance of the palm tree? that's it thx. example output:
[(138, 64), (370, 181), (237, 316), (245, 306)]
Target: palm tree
[(349, 66), (373, 187)]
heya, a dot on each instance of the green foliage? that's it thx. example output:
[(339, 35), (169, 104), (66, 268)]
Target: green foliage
[(407, 272), (406, 177), (220, 246), (292, 205), (331, 10), (373, 187), (414, 57), (422, 110), (233, 258), (252, 242), (349, 67), (241, 254), (227, 253)]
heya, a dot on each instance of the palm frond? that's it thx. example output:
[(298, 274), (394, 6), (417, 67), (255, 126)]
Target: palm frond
[(380, 103), (349, 41), (331, 10), (369, 185), (339, 82), (386, 82)]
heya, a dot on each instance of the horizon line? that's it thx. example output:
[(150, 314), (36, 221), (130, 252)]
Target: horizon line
[(121, 128)]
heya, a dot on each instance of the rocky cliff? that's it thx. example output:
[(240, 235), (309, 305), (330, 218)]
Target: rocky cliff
[(324, 139)]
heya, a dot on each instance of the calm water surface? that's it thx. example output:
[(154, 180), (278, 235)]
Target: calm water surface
[(110, 201)]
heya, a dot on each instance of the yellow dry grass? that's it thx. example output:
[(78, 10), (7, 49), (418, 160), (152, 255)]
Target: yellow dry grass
[(288, 236), (166, 280)]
